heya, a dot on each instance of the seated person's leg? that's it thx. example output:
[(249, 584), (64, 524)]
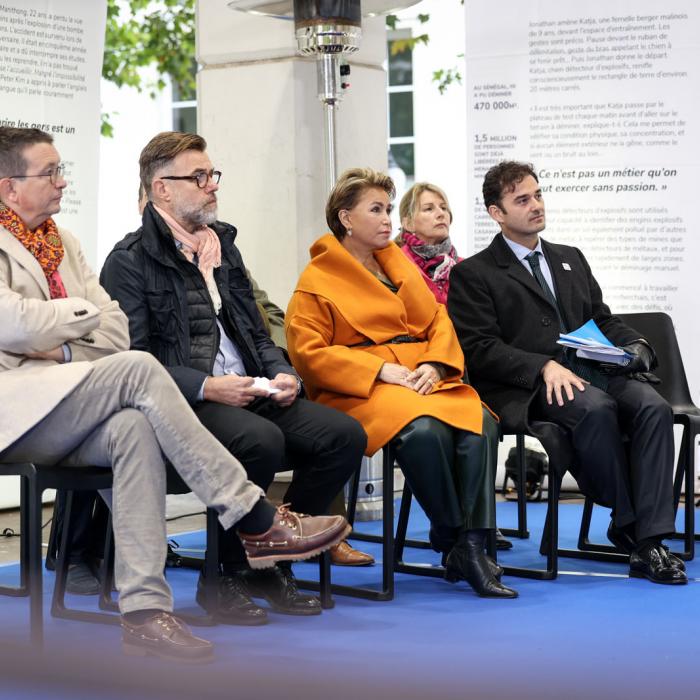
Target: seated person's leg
[(595, 419), (449, 474), (423, 451), (152, 402), (260, 447), (492, 433), (323, 446), (647, 420), (88, 530), (601, 471)]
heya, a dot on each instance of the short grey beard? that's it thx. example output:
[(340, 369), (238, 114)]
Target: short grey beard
[(194, 219)]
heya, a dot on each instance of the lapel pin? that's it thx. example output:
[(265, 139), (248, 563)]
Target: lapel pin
[(566, 266)]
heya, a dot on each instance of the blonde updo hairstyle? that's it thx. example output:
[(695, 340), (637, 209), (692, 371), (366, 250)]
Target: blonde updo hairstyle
[(410, 202), (351, 185)]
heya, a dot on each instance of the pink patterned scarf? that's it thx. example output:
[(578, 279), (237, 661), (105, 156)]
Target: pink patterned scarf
[(205, 244), (435, 261)]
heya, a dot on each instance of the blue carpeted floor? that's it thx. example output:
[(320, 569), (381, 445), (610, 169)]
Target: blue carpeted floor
[(592, 633)]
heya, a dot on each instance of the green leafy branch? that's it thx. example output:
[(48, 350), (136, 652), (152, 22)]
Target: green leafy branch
[(444, 77), (142, 33)]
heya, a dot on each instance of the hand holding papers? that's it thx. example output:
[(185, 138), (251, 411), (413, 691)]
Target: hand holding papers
[(264, 384), (590, 344)]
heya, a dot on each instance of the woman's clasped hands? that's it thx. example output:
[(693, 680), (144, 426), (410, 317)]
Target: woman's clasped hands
[(421, 380)]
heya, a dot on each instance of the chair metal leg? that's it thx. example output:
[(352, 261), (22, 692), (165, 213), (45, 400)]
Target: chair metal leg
[(34, 573), (352, 498), (24, 535), (211, 560), (686, 460), (58, 600), (23, 589), (550, 536), (62, 559), (400, 566), (521, 531), (402, 525), (324, 581), (689, 510), (585, 528), (386, 592), (107, 571)]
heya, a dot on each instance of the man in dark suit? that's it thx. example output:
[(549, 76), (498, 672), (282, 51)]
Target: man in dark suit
[(508, 304)]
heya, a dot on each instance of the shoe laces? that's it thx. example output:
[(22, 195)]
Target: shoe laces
[(168, 622), (289, 517), (233, 584), (289, 579)]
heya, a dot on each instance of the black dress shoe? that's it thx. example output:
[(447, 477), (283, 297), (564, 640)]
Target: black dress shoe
[(621, 539), (80, 580), (625, 543), (675, 561), (279, 588), (652, 562), (233, 605), (501, 542), (467, 562), (167, 637)]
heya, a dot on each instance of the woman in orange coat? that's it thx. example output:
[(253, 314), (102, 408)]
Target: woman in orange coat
[(368, 338)]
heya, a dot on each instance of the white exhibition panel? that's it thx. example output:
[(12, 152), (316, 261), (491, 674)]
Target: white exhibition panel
[(603, 97), (50, 67)]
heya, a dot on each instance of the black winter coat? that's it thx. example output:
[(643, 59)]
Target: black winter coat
[(508, 329), (145, 274)]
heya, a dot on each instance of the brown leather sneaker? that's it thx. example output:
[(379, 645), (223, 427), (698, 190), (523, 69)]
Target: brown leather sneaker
[(293, 537), (344, 554), (166, 637)]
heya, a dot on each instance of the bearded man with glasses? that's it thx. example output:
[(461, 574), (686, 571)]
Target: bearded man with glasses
[(182, 283)]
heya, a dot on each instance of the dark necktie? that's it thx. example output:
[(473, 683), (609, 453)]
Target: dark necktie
[(533, 260), (583, 368)]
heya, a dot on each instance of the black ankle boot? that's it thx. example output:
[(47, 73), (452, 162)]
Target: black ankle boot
[(467, 562), (443, 540), (495, 568)]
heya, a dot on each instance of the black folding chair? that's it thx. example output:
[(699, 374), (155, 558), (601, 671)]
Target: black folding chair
[(559, 451), (657, 328), (35, 479), (386, 591)]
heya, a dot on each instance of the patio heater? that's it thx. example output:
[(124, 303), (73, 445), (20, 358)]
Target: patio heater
[(328, 30)]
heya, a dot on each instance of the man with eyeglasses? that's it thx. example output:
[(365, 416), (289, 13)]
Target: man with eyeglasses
[(181, 281), (69, 394)]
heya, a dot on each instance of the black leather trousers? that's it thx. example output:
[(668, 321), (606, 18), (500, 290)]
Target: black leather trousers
[(450, 472)]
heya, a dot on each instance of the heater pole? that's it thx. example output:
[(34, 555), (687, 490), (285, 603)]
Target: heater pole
[(329, 92), (331, 146), (327, 29)]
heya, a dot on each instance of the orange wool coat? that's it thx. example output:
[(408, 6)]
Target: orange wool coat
[(337, 304)]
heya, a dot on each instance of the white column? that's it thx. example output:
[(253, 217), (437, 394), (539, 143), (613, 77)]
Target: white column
[(263, 122)]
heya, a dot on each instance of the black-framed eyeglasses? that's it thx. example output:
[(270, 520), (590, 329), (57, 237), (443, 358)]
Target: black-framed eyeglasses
[(201, 178), (54, 174)]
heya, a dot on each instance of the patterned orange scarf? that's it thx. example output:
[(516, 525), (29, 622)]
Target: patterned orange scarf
[(44, 243)]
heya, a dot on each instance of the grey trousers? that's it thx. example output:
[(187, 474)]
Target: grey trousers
[(128, 414)]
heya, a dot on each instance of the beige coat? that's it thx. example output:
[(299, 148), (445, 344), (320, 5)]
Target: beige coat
[(30, 321)]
